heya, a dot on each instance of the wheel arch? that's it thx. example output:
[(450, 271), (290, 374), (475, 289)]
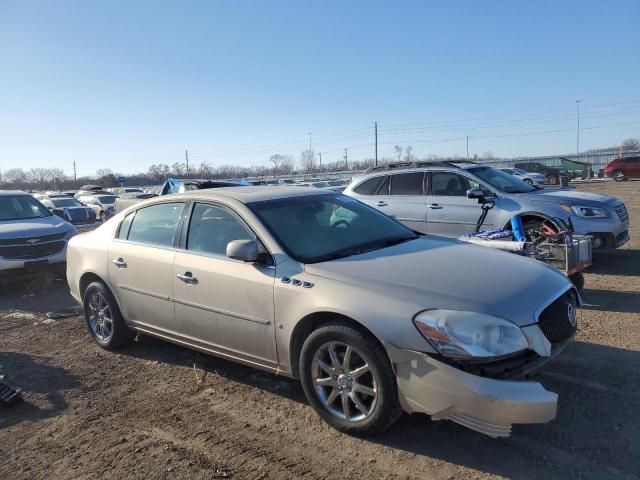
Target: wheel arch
[(533, 215), (315, 320)]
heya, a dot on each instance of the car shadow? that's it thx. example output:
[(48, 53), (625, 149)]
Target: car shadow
[(154, 350), (611, 301), (596, 429), (36, 379), (37, 294), (594, 435), (615, 262)]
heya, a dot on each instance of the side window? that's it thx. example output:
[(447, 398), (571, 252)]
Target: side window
[(369, 187), (156, 225), (384, 189), (123, 231), (407, 183), (451, 184), (211, 228)]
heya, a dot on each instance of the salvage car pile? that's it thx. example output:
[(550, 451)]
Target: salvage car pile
[(368, 298)]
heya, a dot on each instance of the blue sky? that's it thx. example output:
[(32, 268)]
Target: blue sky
[(123, 84)]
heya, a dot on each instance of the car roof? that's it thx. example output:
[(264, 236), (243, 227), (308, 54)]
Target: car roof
[(249, 194), (12, 193)]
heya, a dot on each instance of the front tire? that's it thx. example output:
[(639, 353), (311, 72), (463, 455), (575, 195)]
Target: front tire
[(553, 180), (618, 176), (103, 217), (528, 181), (103, 318), (348, 380)]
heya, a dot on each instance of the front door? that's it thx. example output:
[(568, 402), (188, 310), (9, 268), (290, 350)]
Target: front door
[(141, 266), (449, 212), (222, 304)]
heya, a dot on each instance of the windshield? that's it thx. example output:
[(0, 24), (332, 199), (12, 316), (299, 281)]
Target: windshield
[(317, 228), (21, 207), (501, 180), (520, 171), (106, 199), (65, 202)]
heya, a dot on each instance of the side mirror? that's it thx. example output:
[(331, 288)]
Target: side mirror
[(243, 250), (475, 194)]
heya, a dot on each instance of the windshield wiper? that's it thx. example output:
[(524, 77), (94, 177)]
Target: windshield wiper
[(367, 247)]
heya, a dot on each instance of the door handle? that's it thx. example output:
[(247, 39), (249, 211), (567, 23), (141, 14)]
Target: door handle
[(187, 277), (435, 206), (119, 262), (381, 203)]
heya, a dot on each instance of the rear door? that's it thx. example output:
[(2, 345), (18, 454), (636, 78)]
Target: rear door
[(406, 201), (222, 304), (449, 212), (141, 266)]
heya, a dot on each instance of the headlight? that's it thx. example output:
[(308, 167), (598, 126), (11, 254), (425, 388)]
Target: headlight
[(469, 335), (586, 212)]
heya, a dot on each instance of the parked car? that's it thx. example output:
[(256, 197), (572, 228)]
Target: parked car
[(552, 174), (432, 198), (174, 185), (623, 168), (102, 203), (120, 190), (74, 212), (32, 239), (372, 317), (536, 179)]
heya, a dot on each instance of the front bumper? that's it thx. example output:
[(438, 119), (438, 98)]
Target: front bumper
[(611, 231), (483, 404), (85, 227)]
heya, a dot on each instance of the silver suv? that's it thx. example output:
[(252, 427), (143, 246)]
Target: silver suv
[(432, 198)]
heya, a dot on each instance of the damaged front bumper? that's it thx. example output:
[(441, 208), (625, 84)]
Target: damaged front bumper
[(483, 404)]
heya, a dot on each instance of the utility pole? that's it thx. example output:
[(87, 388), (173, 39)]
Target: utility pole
[(467, 148), (346, 160), (186, 158), (375, 126), (578, 130), (75, 175), (320, 155), (309, 141)]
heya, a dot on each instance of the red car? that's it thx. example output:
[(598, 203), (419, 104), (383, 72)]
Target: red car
[(622, 168)]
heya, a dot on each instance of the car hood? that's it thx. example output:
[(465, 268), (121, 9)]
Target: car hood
[(573, 197), (34, 227), (435, 272)]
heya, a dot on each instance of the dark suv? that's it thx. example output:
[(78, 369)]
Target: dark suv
[(622, 168), (553, 174)]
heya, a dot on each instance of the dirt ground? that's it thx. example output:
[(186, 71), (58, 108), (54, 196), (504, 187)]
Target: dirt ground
[(154, 410)]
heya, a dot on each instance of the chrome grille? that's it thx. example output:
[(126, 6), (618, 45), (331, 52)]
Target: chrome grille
[(621, 211), (30, 252)]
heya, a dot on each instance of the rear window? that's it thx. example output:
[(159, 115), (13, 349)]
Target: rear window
[(369, 186), (407, 184), (156, 225)]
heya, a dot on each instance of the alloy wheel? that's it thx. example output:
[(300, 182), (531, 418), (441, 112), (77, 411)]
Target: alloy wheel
[(100, 317), (344, 382)]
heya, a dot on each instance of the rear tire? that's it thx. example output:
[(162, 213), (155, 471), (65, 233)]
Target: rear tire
[(553, 180), (103, 318), (618, 176), (333, 381)]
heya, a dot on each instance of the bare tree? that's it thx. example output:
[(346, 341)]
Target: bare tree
[(488, 155), (103, 172), (408, 154), (16, 177), (398, 152), (178, 169), (308, 161), (631, 144)]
